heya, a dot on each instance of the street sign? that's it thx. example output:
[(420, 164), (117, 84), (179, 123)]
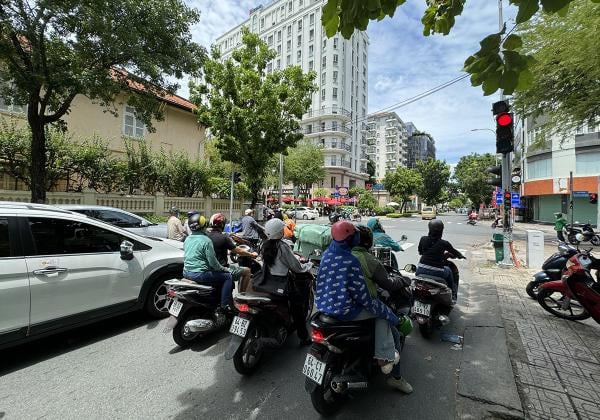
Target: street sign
[(516, 179), (581, 194), (515, 200), (343, 191), (336, 195), (378, 187), (499, 199)]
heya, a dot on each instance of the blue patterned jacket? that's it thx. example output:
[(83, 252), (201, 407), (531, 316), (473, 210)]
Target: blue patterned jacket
[(341, 288)]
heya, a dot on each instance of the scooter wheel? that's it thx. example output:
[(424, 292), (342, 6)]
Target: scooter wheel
[(573, 240), (248, 356), (550, 300), (532, 289), (595, 240), (181, 336), (324, 399), (426, 329)]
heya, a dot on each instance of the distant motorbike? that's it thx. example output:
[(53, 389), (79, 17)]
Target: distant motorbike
[(497, 223), (551, 268), (193, 311), (587, 234)]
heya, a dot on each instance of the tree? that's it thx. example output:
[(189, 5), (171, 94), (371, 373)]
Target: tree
[(321, 192), (402, 183), (471, 175), (253, 114), (303, 166), (371, 171), (51, 51), (366, 200), (488, 67), (435, 174), (566, 71)]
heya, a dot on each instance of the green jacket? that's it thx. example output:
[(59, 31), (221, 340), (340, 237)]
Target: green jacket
[(199, 254), (560, 223), (369, 265)]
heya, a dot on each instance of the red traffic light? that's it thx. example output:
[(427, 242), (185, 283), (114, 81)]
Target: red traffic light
[(504, 119), (507, 196)]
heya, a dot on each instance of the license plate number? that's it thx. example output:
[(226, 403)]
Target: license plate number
[(421, 308), (239, 326), (314, 368), (175, 307)]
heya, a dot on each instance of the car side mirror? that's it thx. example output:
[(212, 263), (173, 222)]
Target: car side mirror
[(126, 250), (410, 268), (144, 223)]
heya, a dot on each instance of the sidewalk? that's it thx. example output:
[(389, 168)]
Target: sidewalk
[(556, 363)]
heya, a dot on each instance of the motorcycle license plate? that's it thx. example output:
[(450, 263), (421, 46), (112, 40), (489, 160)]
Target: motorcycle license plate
[(175, 307), (239, 326), (421, 308), (314, 368)]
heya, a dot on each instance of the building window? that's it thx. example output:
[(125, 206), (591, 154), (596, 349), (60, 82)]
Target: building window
[(324, 43), (279, 50), (288, 60), (335, 43), (364, 57), (270, 40), (587, 163), (335, 91), (12, 107), (539, 168), (324, 62), (288, 46), (299, 40), (290, 6), (299, 56), (311, 50), (262, 23), (278, 64), (132, 125), (335, 76), (311, 65), (269, 67), (309, 129), (323, 78), (579, 129), (335, 59), (334, 125), (323, 95), (312, 19), (322, 126), (289, 31), (278, 36), (300, 25), (311, 35)]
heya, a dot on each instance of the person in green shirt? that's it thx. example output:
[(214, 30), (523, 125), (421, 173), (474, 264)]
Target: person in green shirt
[(559, 225), (200, 263)]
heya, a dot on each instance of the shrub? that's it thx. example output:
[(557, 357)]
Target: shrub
[(382, 211), (398, 215)]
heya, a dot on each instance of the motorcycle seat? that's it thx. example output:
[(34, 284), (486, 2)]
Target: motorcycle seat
[(429, 279), (253, 297), (334, 321), (190, 284)]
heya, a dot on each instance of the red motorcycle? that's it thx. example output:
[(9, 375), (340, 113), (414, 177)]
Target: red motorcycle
[(577, 295)]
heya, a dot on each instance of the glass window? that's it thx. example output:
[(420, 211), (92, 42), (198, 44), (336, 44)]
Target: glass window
[(300, 25), (279, 50), (278, 63), (539, 168), (323, 95), (312, 19), (299, 40), (4, 241), (288, 60), (335, 43), (311, 50), (335, 92), (324, 62), (335, 76), (335, 58), (311, 65), (278, 36), (116, 218), (262, 23), (290, 6), (270, 40), (269, 67), (587, 163), (132, 125), (311, 35), (324, 43), (58, 237), (289, 30), (323, 78), (288, 46)]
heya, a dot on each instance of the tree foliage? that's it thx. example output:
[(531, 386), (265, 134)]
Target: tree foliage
[(435, 174), (253, 114), (303, 166), (51, 51), (471, 176), (402, 183), (490, 69), (321, 192), (566, 71)]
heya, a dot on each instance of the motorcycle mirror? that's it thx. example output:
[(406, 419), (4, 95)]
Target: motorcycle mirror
[(403, 238), (410, 268)]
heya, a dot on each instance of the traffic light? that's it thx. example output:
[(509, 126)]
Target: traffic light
[(237, 177), (504, 127), (507, 197), (593, 198), (496, 181)]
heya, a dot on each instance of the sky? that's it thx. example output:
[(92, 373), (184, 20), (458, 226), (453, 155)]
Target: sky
[(404, 63)]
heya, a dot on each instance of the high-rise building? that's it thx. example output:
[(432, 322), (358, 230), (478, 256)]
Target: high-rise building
[(335, 120), (386, 142), (421, 146)]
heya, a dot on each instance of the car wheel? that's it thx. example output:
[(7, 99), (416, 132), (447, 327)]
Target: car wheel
[(304, 217), (157, 303)]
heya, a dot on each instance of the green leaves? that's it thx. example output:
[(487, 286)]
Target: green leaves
[(344, 16), (513, 42), (527, 8), (439, 17)]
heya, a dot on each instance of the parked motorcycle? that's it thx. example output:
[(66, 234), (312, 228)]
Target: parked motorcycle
[(577, 295), (193, 311), (432, 299), (263, 322), (586, 231), (341, 357), (551, 268)]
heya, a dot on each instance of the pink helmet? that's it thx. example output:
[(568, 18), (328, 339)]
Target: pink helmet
[(341, 231)]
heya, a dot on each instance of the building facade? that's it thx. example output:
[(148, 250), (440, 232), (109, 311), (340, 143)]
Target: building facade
[(421, 146), (546, 164), (335, 120), (387, 142)]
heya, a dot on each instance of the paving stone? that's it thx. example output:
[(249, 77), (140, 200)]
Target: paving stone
[(587, 410), (538, 376), (591, 371), (580, 386), (539, 357), (545, 404)]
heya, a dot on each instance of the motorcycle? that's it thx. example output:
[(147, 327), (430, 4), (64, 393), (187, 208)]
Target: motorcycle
[(551, 268), (193, 311), (586, 231), (341, 357), (263, 322), (497, 223), (472, 220), (577, 292), (432, 299)]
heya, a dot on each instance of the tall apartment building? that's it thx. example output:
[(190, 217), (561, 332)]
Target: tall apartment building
[(386, 142), (421, 146), (335, 119)]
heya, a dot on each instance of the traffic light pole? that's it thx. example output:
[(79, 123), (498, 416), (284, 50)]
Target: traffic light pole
[(231, 203)]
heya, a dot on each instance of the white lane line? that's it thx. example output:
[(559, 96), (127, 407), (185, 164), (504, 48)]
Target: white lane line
[(459, 223)]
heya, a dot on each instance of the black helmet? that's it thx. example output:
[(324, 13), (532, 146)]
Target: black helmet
[(196, 222), (436, 228), (174, 211), (366, 237)]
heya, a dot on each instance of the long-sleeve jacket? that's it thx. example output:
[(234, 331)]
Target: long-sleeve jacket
[(341, 288), (287, 261), (199, 254), (380, 238), (375, 272)]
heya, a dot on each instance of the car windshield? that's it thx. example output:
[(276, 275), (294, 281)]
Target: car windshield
[(427, 208)]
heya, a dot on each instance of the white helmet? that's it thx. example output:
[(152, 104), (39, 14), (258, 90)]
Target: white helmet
[(274, 228), (248, 212), (580, 237)]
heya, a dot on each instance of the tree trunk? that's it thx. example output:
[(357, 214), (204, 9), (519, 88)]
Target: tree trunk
[(38, 159)]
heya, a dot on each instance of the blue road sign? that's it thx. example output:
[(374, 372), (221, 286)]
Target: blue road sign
[(581, 194), (515, 200), (336, 195), (499, 199)]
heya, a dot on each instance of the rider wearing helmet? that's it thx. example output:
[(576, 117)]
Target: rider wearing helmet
[(186, 226), (290, 226), (433, 249), (200, 262), (342, 293), (380, 238), (175, 228), (223, 243), (250, 228), (279, 260)]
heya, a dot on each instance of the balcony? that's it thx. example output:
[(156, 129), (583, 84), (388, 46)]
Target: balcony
[(391, 127), (328, 128), (364, 156), (387, 152), (336, 146), (317, 113)]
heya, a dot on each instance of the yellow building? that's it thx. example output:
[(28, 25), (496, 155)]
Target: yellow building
[(179, 131)]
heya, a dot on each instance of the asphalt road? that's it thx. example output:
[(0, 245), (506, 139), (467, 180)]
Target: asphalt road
[(126, 368)]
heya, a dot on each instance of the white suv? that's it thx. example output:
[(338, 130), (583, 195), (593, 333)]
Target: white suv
[(305, 213), (60, 269)]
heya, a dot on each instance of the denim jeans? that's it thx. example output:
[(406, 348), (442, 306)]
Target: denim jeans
[(387, 340), (445, 273), (217, 279)]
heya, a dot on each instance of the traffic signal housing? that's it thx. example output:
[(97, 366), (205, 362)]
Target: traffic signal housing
[(593, 198), (237, 177), (496, 181), (507, 199), (505, 137)]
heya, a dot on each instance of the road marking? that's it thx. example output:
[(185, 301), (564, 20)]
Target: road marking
[(459, 223)]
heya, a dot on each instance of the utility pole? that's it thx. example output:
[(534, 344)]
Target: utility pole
[(506, 175), (571, 209), (281, 180), (231, 202)]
